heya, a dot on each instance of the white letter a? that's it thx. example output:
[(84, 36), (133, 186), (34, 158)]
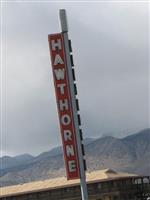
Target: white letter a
[(58, 60)]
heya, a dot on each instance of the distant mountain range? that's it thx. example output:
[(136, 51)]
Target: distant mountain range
[(130, 154)]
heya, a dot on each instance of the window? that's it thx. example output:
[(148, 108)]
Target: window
[(115, 198)]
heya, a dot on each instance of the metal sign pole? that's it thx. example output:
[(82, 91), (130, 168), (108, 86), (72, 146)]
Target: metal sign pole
[(64, 29)]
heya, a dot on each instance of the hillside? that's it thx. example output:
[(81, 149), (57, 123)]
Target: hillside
[(130, 154)]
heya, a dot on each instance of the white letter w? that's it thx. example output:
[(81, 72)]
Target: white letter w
[(60, 74)]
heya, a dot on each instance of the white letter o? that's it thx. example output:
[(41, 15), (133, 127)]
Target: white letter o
[(65, 120)]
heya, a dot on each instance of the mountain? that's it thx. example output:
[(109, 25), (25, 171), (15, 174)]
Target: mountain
[(18, 163), (130, 154), (58, 151), (9, 162)]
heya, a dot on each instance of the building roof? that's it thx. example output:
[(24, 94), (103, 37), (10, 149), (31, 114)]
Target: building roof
[(50, 184)]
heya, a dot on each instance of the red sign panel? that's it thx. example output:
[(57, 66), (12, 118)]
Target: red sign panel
[(63, 97)]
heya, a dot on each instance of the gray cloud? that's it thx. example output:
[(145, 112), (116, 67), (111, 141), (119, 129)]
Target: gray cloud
[(110, 43)]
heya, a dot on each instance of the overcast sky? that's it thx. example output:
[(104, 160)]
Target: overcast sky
[(110, 48)]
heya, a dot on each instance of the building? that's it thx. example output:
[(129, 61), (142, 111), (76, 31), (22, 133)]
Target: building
[(102, 185)]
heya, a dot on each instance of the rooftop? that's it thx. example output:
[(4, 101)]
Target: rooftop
[(50, 184)]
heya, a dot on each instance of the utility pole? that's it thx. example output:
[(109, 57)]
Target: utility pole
[(64, 30)]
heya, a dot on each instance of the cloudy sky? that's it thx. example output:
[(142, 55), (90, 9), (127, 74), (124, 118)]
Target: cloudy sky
[(110, 48)]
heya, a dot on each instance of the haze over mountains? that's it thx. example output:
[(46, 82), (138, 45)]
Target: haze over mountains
[(129, 154)]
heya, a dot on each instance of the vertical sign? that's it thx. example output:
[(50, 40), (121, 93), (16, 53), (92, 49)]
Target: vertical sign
[(64, 106)]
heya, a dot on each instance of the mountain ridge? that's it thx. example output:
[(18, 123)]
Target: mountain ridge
[(129, 154)]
